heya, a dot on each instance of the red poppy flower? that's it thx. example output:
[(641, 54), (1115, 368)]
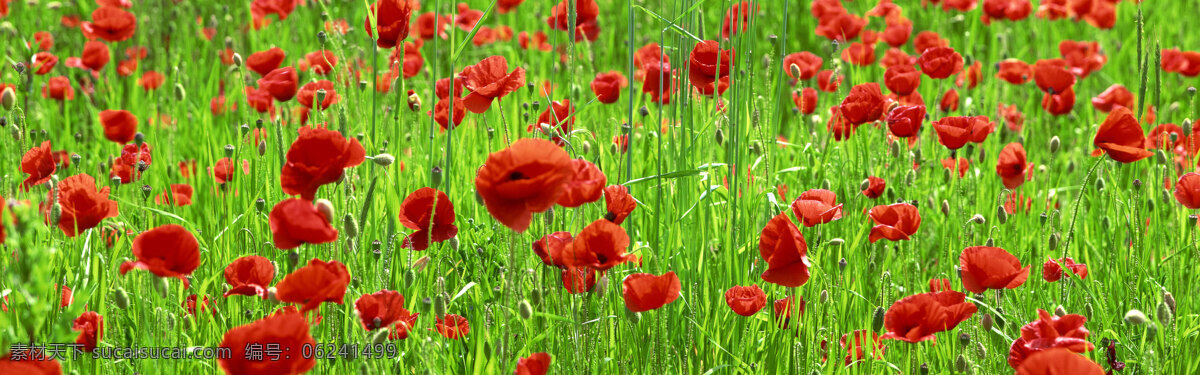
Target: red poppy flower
[(619, 203), (745, 300), (534, 364), (709, 67), (895, 222), (1082, 58), (1049, 332), (383, 309), (1115, 95), (817, 206), (940, 62), (58, 88), (166, 251), (95, 55), (1013, 118), (1187, 190), (91, 329), (645, 292), (260, 100), (875, 187), (391, 20), (986, 268), (659, 82), (1120, 136), (864, 104), (1052, 270), (1012, 167), (430, 214), (430, 25), (151, 80), (1012, 10), (962, 165), (281, 83), (83, 207), (452, 326), (827, 81), (34, 361), (918, 317), (1051, 75), (806, 65), (782, 313), (119, 125), (44, 40), (737, 18), (285, 330), (600, 245), (585, 187), (949, 102), (1059, 104), (897, 33), (840, 26), (607, 86), (902, 79), (906, 121), (295, 222), (550, 248), (859, 53), (44, 62), (318, 157), (317, 282), (1014, 71), (39, 164), (1059, 361), (308, 94), (110, 23), (178, 195), (970, 76), (857, 350), (956, 131), (490, 80), (527, 177), (805, 100), (263, 62), (939, 285), (321, 62), (250, 275), (578, 280), (783, 248)]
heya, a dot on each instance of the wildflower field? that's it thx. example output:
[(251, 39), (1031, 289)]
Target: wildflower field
[(599, 187)]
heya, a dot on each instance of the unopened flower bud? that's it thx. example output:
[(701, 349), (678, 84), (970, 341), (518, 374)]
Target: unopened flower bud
[(990, 242), (121, 298), (987, 322), (260, 205), (1053, 242), (720, 137), (960, 364), (320, 98), (180, 93), (262, 148), (877, 319), (837, 242), (525, 309), (1164, 314), (8, 98), (1135, 317), (325, 208), (1060, 311), (1001, 214), (945, 207), (237, 59), (384, 159), (1055, 144), (964, 339), (439, 306), (350, 226), (1100, 184), (414, 102), (978, 219), (160, 284), (1169, 300), (379, 337), (321, 36), (842, 265)]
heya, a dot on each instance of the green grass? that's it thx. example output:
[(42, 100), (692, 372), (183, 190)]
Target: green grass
[(687, 220)]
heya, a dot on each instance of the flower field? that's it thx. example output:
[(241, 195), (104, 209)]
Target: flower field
[(599, 187)]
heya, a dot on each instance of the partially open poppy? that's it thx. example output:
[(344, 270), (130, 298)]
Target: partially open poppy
[(985, 267), (110, 23), (607, 86), (709, 67), (1121, 137), (295, 222), (1059, 104), (83, 207), (550, 248), (619, 203), (391, 22), (39, 164), (949, 102), (578, 280), (1049, 332), (317, 282), (783, 248), (1052, 270), (1083, 57), (586, 13), (91, 329), (44, 62), (659, 82), (1012, 167), (263, 62), (318, 157), (645, 292), (906, 121), (585, 187), (250, 275), (864, 104), (817, 206), (895, 222), (745, 300), (897, 32), (489, 80), (321, 62), (527, 177), (902, 79), (58, 88), (940, 62), (166, 251), (286, 330), (452, 326), (918, 317), (430, 214), (1059, 361), (281, 83), (534, 364)]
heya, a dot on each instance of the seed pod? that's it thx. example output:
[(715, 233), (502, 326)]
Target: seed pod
[(229, 149), (895, 149), (1087, 310), (325, 208), (980, 350), (1161, 157), (453, 243), (924, 369), (1135, 317), (409, 278), (55, 213), (384, 159), (990, 242), (987, 322), (436, 176), (535, 296), (1055, 144), (877, 319), (180, 93), (842, 265), (548, 217), (260, 205), (1001, 214), (910, 177), (160, 284), (978, 219), (350, 226), (720, 137), (525, 309), (121, 298), (1071, 166), (964, 339), (1043, 217)]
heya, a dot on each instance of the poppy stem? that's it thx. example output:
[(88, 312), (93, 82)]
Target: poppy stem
[(1078, 200), (503, 121)]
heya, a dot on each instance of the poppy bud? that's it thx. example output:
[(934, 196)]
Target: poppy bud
[(325, 208), (836, 242), (1087, 310), (864, 185), (1164, 313), (160, 284), (8, 98), (1191, 220), (439, 306), (945, 207), (1001, 214), (1169, 300), (384, 159), (632, 316), (824, 296), (414, 102), (643, 111), (321, 37), (262, 148), (121, 298), (350, 226), (960, 364), (525, 309), (1187, 126), (720, 137), (229, 151), (978, 219), (380, 336), (435, 176), (441, 285), (180, 93), (1060, 311), (946, 175), (1071, 166), (925, 366), (1053, 243), (990, 242), (756, 148), (587, 147), (1055, 144), (293, 258), (139, 139), (535, 296), (1166, 197), (964, 339), (1135, 317), (1099, 184), (877, 319), (842, 265), (980, 350), (910, 177), (987, 322), (1192, 90)]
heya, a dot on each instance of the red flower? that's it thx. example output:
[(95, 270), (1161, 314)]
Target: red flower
[(166, 251), (490, 80), (91, 329), (384, 309), (295, 222), (281, 83), (534, 364), (556, 121), (840, 25), (737, 18), (607, 86), (1120, 136), (58, 88), (898, 32), (308, 94), (1059, 104), (578, 279), (223, 170), (805, 100), (83, 207), (1012, 10), (1115, 95), (619, 203), (263, 62), (1052, 270), (709, 67), (44, 62), (658, 82), (35, 362), (817, 206), (430, 25), (782, 313), (600, 245), (1082, 58), (745, 300), (391, 20), (895, 222), (506, 6), (249, 276), (906, 121), (940, 62), (44, 40), (527, 177), (875, 187), (963, 165), (178, 195), (956, 131), (95, 55), (110, 23), (1059, 361), (39, 164), (902, 79), (859, 53), (119, 125), (452, 326), (864, 104), (986, 268), (151, 80), (783, 248), (317, 282), (918, 317), (260, 100), (585, 187), (285, 330), (1014, 71), (1051, 76), (806, 65), (949, 102), (550, 248), (939, 285), (322, 62), (1013, 118), (1050, 332), (318, 157), (586, 12), (1012, 167), (645, 292), (1187, 190), (857, 350), (430, 214)]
